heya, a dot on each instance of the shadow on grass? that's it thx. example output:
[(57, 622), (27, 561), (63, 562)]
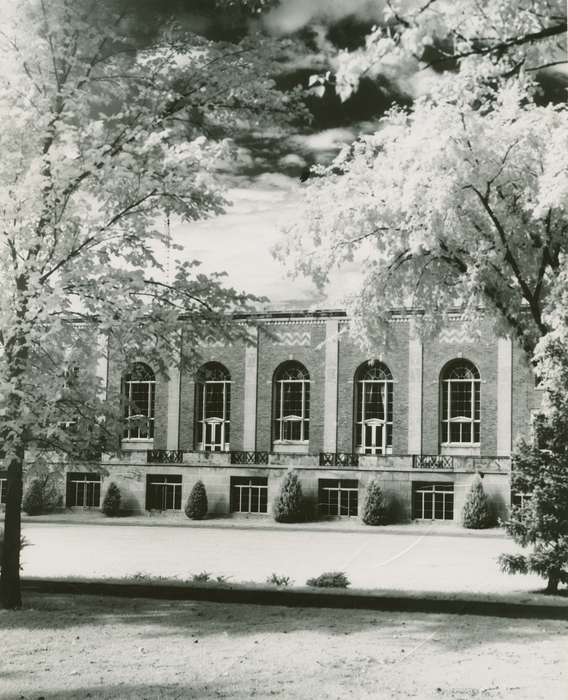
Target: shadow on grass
[(218, 688), (144, 619)]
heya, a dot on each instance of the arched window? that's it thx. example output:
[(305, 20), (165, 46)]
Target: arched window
[(213, 408), (139, 390), (460, 403), (373, 409), (291, 403)]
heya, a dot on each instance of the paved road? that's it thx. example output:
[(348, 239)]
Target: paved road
[(371, 560)]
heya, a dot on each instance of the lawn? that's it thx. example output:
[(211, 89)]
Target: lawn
[(372, 558), (62, 647)]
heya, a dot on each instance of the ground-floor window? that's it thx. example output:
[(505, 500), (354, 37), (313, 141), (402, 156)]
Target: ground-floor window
[(83, 489), (3, 487), (338, 496), (433, 500), (249, 494), (519, 498), (163, 492)]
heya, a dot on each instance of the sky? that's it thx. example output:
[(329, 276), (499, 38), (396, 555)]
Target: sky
[(265, 190), (264, 187)]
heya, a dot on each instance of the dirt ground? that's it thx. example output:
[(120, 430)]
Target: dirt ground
[(62, 647)]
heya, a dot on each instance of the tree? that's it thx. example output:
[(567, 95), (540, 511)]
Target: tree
[(111, 501), (375, 508), (477, 511), (104, 139), (461, 198), (196, 507), (289, 506), (541, 522)]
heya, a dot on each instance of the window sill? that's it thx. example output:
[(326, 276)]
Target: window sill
[(291, 447), (225, 449), (456, 449), (136, 444)]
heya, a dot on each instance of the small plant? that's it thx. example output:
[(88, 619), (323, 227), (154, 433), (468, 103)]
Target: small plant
[(289, 506), (196, 507), (202, 577), (278, 580), (111, 503), (329, 579), (141, 576), (375, 508), (476, 511)]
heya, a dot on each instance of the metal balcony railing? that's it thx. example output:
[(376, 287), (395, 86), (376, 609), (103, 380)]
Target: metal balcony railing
[(248, 457), (436, 462), (338, 459), (164, 456)]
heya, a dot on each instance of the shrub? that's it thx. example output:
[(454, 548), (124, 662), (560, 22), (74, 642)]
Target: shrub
[(42, 496), (111, 503), (329, 579), (196, 507), (32, 503), (203, 577), (289, 506), (375, 508), (278, 580), (476, 511)]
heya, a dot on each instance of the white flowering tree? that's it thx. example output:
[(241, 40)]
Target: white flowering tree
[(102, 140), (460, 200)]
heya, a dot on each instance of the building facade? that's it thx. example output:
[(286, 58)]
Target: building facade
[(422, 418)]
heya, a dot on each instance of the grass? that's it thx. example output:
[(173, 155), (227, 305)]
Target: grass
[(62, 647)]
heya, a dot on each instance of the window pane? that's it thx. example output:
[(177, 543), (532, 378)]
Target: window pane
[(214, 403), (292, 398), (455, 432), (460, 399)]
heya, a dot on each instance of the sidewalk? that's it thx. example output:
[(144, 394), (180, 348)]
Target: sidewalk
[(265, 522)]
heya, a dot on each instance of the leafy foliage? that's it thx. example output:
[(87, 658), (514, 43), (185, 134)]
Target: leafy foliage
[(329, 579), (196, 507), (460, 199), (541, 523), (375, 508), (111, 501), (477, 512), (289, 506), (279, 580)]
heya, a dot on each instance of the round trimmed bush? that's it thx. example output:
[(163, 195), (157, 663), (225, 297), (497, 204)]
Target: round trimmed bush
[(111, 502), (196, 507), (477, 511), (289, 506), (375, 508)]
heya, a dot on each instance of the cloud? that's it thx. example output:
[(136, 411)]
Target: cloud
[(239, 241), (292, 15)]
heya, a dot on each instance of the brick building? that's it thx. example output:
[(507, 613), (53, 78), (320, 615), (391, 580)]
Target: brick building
[(423, 418)]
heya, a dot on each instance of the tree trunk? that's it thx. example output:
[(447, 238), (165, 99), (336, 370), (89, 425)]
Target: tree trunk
[(553, 581), (10, 579), (12, 434)]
